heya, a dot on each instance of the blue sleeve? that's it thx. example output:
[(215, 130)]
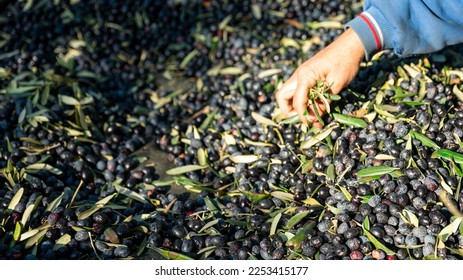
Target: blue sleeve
[(409, 27)]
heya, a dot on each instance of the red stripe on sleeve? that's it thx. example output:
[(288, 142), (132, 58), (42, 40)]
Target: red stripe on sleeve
[(373, 30)]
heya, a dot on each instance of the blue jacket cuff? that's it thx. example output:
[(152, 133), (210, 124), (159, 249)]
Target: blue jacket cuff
[(373, 31)]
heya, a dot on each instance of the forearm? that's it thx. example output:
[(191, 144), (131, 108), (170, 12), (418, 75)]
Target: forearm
[(409, 27)]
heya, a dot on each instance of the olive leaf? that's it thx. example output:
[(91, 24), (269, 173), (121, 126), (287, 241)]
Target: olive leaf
[(263, 120), (184, 169), (424, 140), (296, 219), (129, 193), (377, 244), (448, 155), (188, 58), (169, 255), (269, 72), (17, 231), (97, 206), (35, 238), (450, 229), (320, 136), (15, 200), (62, 241), (300, 235), (375, 171), (349, 121), (55, 203), (209, 224), (244, 158), (27, 213), (274, 225), (409, 218), (231, 71)]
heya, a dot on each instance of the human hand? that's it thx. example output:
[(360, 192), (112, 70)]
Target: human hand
[(336, 65)]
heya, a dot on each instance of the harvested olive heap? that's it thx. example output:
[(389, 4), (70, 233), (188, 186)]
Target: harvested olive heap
[(82, 87)]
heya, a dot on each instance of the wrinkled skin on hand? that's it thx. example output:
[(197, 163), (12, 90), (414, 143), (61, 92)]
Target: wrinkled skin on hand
[(336, 65)]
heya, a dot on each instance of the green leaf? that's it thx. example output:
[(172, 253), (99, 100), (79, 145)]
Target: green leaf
[(377, 244), (375, 171), (330, 172), (184, 169), (366, 223), (274, 225), (211, 205), (17, 231), (346, 193), (20, 90), (208, 225), (317, 114), (129, 193), (448, 155), (424, 140), (188, 58), (333, 209), (296, 219), (333, 97), (169, 255), (349, 121), (300, 235), (319, 137)]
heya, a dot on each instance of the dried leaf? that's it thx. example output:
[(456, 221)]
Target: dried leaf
[(244, 158), (111, 235)]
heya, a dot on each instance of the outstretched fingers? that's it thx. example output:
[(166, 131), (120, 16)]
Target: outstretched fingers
[(284, 95), (300, 99)]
